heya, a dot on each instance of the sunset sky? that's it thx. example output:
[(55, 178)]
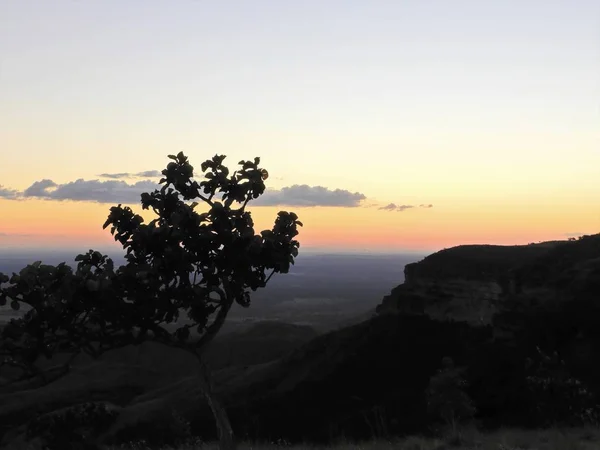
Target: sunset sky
[(385, 125)]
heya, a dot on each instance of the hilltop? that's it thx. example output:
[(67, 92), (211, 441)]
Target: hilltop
[(473, 283)]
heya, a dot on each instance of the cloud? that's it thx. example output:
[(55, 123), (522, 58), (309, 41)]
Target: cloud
[(371, 204), (394, 207), (115, 176), (400, 208), (122, 175), (116, 190), (149, 174), (39, 188), (112, 191), (8, 193), (13, 235), (119, 191), (304, 195)]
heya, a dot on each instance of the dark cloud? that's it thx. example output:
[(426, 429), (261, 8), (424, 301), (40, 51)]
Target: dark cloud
[(426, 206), (394, 207), (8, 193), (125, 175), (304, 195)]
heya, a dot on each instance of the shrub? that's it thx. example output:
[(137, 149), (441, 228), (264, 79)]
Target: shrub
[(446, 395), (75, 425)]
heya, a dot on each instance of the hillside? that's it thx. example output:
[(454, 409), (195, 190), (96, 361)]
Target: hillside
[(283, 381), (260, 343)]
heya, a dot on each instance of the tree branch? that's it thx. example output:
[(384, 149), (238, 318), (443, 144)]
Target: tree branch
[(267, 280), (245, 203), (213, 329)]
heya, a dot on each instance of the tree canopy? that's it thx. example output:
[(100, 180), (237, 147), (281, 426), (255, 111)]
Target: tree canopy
[(185, 262)]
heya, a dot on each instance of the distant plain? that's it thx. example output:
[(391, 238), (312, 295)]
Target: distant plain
[(322, 290)]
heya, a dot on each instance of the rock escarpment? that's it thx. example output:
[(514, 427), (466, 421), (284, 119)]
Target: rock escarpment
[(473, 283)]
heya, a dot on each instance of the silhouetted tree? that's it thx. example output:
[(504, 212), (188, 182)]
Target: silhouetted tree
[(182, 262)]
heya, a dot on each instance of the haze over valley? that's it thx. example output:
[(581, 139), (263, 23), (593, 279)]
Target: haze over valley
[(323, 290)]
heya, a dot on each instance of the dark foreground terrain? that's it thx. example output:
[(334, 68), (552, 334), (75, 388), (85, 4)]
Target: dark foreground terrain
[(520, 324), (469, 439)]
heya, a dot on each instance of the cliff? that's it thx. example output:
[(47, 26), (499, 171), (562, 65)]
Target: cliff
[(473, 283)]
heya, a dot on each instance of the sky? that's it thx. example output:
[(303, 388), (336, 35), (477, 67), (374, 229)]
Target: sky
[(385, 125)]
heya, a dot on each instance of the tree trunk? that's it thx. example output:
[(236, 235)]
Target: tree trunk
[(226, 437)]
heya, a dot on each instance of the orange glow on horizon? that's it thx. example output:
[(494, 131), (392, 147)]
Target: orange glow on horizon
[(79, 224)]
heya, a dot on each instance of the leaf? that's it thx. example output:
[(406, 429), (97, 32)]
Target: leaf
[(267, 234), (92, 285)]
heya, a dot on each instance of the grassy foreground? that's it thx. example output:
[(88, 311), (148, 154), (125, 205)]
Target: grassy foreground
[(504, 439)]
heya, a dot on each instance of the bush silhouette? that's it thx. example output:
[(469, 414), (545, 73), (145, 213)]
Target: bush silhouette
[(560, 397), (72, 426), (446, 395)]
